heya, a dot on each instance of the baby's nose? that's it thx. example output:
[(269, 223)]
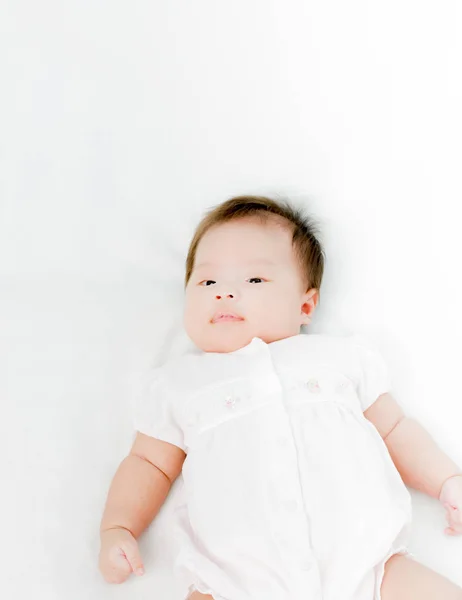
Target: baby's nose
[(226, 290)]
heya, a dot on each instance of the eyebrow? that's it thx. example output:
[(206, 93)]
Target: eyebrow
[(260, 261)]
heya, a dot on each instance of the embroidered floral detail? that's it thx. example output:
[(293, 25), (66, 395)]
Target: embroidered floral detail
[(230, 401), (313, 386)]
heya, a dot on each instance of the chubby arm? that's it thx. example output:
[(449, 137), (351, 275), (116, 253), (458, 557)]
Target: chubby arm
[(420, 462), (141, 484)]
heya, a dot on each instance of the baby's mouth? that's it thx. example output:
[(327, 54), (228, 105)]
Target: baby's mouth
[(225, 317)]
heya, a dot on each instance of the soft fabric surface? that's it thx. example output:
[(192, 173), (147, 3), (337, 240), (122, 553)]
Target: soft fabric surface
[(120, 124)]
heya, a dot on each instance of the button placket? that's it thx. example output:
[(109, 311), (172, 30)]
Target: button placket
[(291, 529), (289, 518)]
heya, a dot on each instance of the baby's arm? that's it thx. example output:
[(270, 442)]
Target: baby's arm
[(137, 492), (420, 462)]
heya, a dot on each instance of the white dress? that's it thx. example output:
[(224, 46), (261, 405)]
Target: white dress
[(290, 492)]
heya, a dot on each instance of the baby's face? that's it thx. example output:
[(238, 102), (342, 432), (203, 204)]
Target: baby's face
[(247, 270)]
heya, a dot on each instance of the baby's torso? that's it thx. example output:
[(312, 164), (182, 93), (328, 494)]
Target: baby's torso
[(281, 463)]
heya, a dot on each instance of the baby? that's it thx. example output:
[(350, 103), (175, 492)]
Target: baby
[(293, 453)]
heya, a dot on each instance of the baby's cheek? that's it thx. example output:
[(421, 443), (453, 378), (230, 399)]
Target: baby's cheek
[(280, 306), (193, 306), (192, 319)]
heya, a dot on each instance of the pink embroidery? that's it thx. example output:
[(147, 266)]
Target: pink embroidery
[(313, 385), (230, 402)]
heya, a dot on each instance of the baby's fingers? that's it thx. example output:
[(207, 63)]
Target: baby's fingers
[(454, 519), (115, 567), (133, 557)]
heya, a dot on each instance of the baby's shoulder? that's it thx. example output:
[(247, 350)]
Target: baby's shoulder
[(323, 346), (346, 353), (335, 343)]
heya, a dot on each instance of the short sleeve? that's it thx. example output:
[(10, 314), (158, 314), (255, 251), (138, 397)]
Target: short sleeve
[(373, 376), (154, 413)]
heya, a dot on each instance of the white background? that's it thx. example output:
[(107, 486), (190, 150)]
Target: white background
[(120, 123)]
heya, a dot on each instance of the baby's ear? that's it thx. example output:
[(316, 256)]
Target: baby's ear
[(309, 302)]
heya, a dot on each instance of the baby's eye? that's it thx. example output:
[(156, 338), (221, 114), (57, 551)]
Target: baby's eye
[(206, 281), (257, 279)]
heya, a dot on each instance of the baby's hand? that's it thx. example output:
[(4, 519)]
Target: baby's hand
[(451, 499), (119, 555)]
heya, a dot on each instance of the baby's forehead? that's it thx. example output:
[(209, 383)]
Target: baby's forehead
[(246, 230), (244, 257), (243, 240)]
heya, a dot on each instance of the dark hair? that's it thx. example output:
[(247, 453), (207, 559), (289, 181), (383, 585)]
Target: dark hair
[(309, 250)]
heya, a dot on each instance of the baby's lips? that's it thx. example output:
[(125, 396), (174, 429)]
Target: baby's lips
[(224, 316)]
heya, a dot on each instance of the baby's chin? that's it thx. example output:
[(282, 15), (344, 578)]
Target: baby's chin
[(225, 337)]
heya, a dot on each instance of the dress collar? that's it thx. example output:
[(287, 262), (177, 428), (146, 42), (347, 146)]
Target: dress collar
[(257, 341)]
